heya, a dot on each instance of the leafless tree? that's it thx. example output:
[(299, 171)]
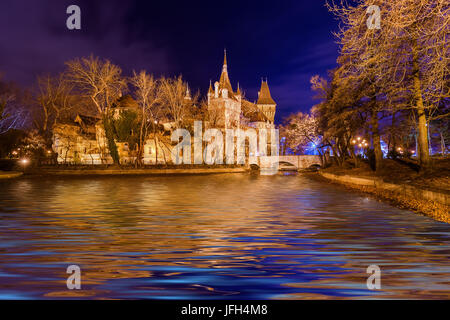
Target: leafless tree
[(55, 101), (147, 97), (406, 62), (177, 106), (101, 82)]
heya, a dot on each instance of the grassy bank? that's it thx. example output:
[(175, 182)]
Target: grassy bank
[(402, 172), (390, 184)]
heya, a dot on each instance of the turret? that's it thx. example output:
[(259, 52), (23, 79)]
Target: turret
[(216, 90), (225, 67), (224, 82), (210, 92), (238, 93), (188, 93), (265, 102)]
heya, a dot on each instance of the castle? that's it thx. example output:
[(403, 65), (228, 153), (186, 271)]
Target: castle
[(82, 140), (227, 108)]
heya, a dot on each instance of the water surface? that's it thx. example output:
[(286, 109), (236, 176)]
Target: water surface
[(230, 236)]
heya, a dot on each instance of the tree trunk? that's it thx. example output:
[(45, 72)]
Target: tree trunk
[(155, 138), (424, 156), (393, 141), (110, 140), (141, 143), (354, 156), (376, 141), (417, 146)]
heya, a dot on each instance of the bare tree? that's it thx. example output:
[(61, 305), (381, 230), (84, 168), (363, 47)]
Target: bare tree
[(175, 101), (147, 96), (406, 62), (55, 101), (102, 82), (14, 109)]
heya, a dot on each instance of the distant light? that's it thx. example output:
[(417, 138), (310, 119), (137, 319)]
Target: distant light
[(359, 138), (24, 161), (360, 145)]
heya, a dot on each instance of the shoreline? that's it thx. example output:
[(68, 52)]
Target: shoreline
[(434, 204), (133, 172), (9, 174)]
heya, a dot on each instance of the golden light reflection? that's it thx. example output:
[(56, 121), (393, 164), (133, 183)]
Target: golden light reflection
[(144, 231)]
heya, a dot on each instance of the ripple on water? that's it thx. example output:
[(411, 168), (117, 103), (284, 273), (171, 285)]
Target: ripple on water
[(213, 237)]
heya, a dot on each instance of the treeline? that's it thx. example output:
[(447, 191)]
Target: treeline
[(95, 87), (391, 84)]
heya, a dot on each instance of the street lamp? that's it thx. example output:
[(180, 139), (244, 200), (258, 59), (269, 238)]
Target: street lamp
[(24, 162)]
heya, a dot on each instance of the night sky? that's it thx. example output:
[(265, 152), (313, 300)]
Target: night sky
[(286, 41)]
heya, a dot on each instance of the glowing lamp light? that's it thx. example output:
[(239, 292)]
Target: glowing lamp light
[(359, 138), (360, 145), (24, 162)]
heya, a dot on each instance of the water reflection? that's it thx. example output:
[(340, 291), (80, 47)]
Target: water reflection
[(213, 237)]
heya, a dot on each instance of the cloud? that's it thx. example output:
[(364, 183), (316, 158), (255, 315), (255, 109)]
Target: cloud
[(34, 38)]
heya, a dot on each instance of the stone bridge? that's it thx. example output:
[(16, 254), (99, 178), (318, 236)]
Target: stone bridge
[(299, 162)]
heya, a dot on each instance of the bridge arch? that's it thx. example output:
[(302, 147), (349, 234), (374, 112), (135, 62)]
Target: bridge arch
[(299, 162)]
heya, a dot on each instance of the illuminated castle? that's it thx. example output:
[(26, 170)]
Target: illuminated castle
[(227, 108)]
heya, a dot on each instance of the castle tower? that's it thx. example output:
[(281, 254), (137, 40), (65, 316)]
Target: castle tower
[(222, 99), (188, 94), (224, 82), (265, 102), (210, 92)]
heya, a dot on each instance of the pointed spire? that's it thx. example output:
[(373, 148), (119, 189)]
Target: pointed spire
[(225, 67), (264, 94), (210, 90), (238, 92), (188, 93), (224, 79)]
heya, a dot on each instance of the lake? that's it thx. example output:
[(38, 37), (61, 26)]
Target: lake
[(228, 236)]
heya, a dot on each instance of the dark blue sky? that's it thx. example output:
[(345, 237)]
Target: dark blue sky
[(286, 41)]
